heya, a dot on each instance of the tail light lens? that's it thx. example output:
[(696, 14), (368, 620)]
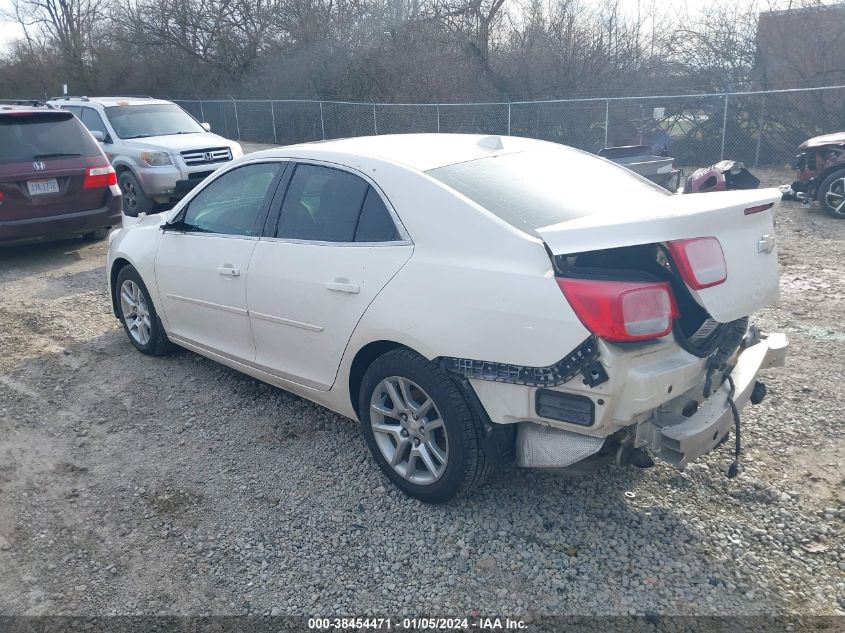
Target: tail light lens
[(99, 177), (700, 261), (622, 310)]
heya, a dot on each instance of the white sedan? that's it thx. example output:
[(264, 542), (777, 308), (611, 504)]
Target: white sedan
[(471, 300)]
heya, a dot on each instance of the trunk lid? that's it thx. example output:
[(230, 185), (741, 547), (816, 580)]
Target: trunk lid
[(748, 241)]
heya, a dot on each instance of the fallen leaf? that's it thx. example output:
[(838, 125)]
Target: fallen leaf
[(815, 547)]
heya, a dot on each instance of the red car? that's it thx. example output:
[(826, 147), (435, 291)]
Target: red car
[(55, 181), (821, 173)]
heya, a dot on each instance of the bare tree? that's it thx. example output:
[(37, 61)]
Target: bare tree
[(63, 29)]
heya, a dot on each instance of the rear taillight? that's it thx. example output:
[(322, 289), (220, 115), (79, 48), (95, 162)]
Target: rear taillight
[(621, 310), (700, 261), (98, 177)]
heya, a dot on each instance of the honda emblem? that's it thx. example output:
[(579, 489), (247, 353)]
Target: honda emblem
[(39, 166), (209, 156)]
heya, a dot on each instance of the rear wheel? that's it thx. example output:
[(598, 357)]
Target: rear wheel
[(420, 429), (135, 201), (832, 194), (138, 314)]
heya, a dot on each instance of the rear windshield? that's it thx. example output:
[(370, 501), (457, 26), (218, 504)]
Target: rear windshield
[(28, 137), (533, 189), (158, 119)]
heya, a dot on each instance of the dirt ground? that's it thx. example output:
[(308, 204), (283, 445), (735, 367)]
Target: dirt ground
[(131, 484)]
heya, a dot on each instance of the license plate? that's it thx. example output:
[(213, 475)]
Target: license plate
[(42, 187)]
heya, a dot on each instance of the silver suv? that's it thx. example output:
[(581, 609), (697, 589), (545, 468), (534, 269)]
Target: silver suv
[(159, 151)]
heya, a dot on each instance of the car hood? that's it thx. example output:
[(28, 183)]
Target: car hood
[(837, 138), (181, 142)]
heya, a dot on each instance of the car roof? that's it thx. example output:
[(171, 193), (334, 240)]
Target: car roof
[(417, 151), (837, 138), (6, 108), (111, 101)]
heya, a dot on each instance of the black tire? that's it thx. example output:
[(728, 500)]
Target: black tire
[(158, 343), (468, 465), (829, 191), (97, 235), (135, 200)]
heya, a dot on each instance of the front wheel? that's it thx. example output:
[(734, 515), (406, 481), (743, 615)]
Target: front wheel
[(832, 194), (420, 429), (135, 200), (138, 314)]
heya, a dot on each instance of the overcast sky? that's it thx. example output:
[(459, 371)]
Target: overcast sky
[(9, 31)]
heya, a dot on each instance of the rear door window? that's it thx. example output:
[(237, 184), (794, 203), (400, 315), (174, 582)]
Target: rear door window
[(375, 223), (330, 205), (43, 135)]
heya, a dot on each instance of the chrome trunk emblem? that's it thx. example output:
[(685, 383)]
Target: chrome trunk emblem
[(766, 244), (39, 166)]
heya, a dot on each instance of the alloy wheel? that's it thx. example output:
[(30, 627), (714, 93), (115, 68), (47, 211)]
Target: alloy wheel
[(130, 197), (835, 196), (136, 313), (409, 430)]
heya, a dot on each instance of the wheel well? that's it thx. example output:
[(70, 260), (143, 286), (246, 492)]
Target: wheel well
[(119, 169), (116, 267), (361, 363)]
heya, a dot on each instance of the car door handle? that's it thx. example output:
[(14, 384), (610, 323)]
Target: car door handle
[(229, 271), (343, 285)]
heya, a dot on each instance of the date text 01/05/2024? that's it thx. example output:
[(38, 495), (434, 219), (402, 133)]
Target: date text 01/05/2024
[(412, 624)]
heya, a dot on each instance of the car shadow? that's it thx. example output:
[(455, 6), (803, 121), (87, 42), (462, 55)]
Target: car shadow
[(40, 256)]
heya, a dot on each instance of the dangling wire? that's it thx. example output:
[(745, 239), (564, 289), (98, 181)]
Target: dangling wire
[(733, 469)]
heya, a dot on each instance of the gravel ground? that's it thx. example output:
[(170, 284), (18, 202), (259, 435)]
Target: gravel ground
[(133, 485)]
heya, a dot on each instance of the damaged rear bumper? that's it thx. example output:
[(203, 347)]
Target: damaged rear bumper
[(679, 439), (678, 431)]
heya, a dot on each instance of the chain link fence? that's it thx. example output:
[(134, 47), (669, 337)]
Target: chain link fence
[(758, 128)]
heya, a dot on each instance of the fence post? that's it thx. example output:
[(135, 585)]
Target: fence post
[(273, 117), (760, 132), (375, 122), (509, 117), (322, 121), (724, 128), (606, 120), (642, 121), (237, 123)]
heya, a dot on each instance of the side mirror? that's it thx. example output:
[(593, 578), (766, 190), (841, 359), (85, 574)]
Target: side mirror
[(206, 126), (99, 136)]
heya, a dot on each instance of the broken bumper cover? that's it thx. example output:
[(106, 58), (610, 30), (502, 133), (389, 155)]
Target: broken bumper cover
[(678, 439)]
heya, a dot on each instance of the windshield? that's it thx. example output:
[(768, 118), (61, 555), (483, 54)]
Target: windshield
[(140, 121), (533, 189), (35, 136)]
